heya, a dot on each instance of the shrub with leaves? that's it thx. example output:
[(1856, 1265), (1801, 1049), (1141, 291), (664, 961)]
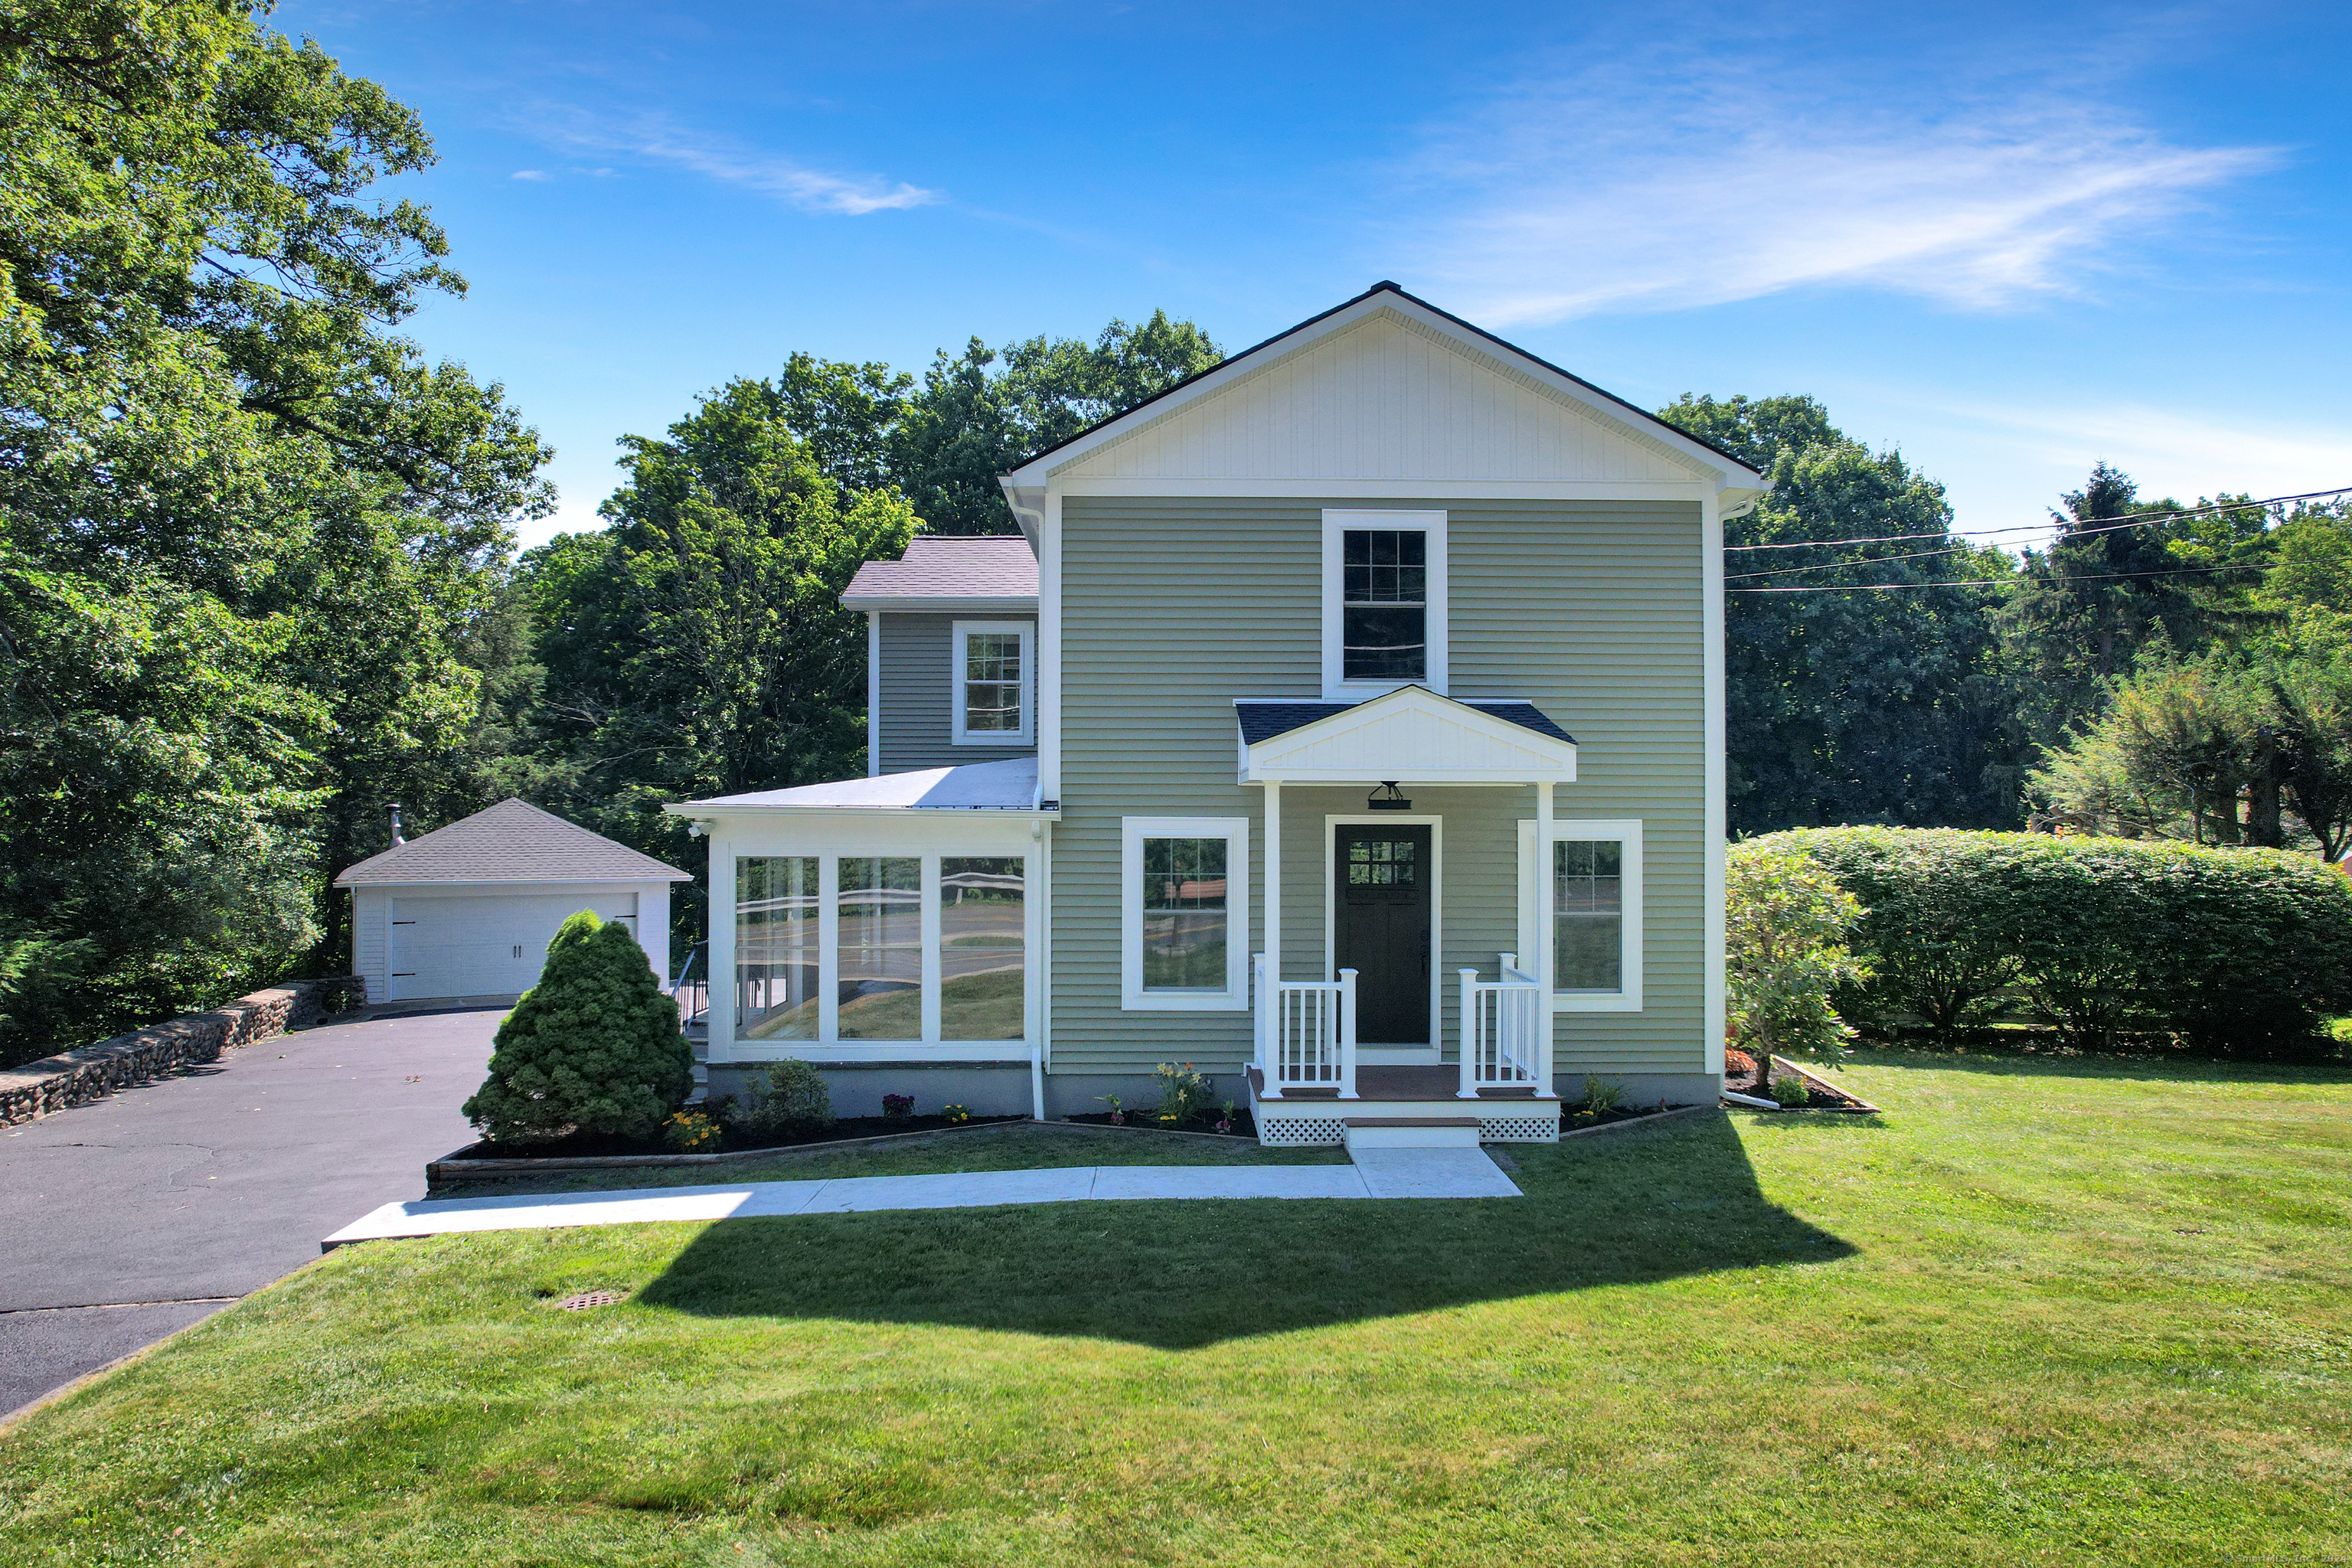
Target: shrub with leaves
[(1786, 925), (785, 1100), (593, 1048), (2235, 951)]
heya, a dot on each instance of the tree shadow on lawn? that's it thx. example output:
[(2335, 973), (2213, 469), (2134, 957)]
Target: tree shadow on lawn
[(1641, 1206)]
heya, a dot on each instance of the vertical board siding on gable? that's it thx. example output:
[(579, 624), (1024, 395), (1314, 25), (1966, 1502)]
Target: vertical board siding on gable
[(1172, 608), (1356, 406), (918, 696)]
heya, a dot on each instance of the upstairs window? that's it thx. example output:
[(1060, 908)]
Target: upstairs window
[(993, 682), (1383, 600), (1384, 604)]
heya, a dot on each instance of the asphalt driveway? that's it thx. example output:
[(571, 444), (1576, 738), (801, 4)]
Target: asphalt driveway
[(135, 1217)]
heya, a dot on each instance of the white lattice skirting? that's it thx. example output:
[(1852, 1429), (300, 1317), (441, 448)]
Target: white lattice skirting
[(1519, 1129), (1300, 1132), (1325, 1131)]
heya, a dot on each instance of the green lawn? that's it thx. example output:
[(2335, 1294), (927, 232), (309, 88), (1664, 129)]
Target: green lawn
[(2039, 1311), (1011, 1146)]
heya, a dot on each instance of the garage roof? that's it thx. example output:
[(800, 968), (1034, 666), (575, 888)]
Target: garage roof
[(513, 841)]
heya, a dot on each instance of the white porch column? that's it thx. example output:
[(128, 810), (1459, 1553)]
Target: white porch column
[(1547, 949), (719, 1024), (1273, 883)]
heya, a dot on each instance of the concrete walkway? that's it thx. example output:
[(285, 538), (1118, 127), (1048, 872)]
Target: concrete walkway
[(128, 1218), (1377, 1173)]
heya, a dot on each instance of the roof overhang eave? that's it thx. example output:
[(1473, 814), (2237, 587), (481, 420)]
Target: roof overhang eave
[(961, 603)]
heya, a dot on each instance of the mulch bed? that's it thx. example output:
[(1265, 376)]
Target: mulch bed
[(844, 1130), (1572, 1120), (1241, 1127), (1820, 1097)]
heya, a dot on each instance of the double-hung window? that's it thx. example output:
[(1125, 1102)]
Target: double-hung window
[(993, 683), (1184, 914), (1590, 875), (1383, 600)]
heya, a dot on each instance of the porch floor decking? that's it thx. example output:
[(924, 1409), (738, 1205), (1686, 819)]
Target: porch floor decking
[(1419, 1084)]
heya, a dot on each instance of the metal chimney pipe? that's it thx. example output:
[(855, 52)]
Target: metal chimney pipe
[(396, 840)]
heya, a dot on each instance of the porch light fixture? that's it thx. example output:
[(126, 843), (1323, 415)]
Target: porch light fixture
[(1388, 798)]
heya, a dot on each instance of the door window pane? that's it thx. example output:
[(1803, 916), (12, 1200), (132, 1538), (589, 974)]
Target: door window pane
[(1381, 863), (1184, 914), (881, 925), (981, 973), (992, 683), (775, 947), (1383, 604), (1588, 922)]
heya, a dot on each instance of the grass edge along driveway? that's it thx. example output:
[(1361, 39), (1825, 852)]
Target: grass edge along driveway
[(2040, 1310)]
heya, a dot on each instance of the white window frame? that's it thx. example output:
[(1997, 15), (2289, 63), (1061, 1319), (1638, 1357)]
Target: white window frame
[(1336, 521), (1535, 895), (956, 711), (1132, 832)]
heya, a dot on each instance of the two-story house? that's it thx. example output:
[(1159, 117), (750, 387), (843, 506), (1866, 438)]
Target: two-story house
[(1348, 721)]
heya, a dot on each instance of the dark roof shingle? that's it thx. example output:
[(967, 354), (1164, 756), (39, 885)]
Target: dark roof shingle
[(1262, 721), (513, 841)]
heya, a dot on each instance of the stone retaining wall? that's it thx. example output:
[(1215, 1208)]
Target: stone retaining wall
[(92, 1072)]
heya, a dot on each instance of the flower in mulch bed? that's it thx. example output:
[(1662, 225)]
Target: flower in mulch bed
[(1791, 1091), (956, 1114), (690, 1132), (1118, 1111), (1225, 1123), (1737, 1063), (897, 1107)]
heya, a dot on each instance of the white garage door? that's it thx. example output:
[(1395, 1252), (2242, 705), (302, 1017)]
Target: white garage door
[(485, 946)]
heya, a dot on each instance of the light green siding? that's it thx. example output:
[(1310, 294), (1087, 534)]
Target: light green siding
[(1172, 608), (918, 694)]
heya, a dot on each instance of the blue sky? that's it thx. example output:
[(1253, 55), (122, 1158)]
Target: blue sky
[(2010, 240)]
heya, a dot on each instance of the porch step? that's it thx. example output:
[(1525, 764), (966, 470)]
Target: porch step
[(1411, 1132)]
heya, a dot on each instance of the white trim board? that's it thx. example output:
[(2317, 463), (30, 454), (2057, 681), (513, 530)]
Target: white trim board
[(959, 709), (1535, 883), (1337, 524), (1132, 832)]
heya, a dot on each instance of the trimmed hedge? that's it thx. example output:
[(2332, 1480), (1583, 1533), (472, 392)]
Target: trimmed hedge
[(2236, 952)]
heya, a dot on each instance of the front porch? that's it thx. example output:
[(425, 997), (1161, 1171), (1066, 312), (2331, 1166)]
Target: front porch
[(1308, 1084), (1357, 1055)]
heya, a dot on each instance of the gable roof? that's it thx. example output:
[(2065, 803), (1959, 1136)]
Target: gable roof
[(1697, 459), (1263, 720), (1410, 734), (942, 571), (513, 841)]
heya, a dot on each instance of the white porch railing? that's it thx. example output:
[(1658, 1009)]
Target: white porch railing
[(1305, 1032), (1504, 1043)]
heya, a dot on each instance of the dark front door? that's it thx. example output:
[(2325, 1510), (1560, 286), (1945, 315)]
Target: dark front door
[(1382, 930)]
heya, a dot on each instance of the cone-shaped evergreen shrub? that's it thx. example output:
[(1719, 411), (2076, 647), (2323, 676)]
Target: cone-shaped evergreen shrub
[(593, 1048)]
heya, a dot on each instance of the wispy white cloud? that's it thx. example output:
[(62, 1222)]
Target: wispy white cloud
[(1677, 185), (530, 174), (659, 139)]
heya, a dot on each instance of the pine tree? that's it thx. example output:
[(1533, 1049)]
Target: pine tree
[(593, 1048)]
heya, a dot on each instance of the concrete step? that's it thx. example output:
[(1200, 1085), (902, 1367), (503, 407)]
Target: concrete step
[(1411, 1132)]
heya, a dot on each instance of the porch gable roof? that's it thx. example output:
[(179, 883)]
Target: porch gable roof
[(1409, 734)]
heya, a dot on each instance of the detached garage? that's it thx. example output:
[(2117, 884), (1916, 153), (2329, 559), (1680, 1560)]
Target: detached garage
[(468, 911)]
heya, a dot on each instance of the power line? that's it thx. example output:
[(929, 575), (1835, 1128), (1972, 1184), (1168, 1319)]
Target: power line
[(2140, 521), (1980, 582)]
